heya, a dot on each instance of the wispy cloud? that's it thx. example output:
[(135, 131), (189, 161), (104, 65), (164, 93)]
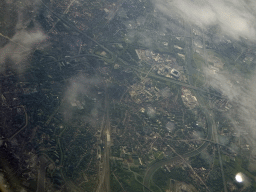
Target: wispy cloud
[(241, 93), (223, 82), (235, 18), (22, 43), (77, 89), (17, 50)]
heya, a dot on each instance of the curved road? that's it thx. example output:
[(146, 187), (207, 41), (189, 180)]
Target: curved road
[(155, 166), (210, 121)]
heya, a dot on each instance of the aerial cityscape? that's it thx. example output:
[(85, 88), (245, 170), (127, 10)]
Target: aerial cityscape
[(127, 95)]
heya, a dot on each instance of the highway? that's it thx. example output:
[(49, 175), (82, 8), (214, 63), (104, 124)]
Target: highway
[(41, 174), (215, 134), (104, 176)]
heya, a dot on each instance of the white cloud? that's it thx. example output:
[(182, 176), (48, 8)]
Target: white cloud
[(222, 81), (79, 87), (235, 18), (20, 46), (23, 42), (151, 112), (241, 95)]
